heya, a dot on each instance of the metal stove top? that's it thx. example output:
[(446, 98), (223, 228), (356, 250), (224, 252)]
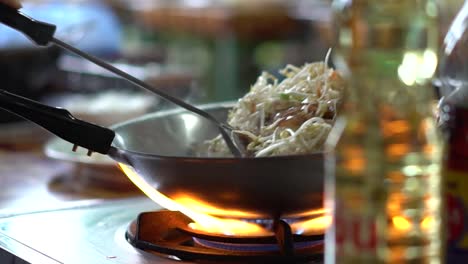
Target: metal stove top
[(91, 234), (71, 222)]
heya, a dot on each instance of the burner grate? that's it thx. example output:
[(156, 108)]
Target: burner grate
[(166, 233)]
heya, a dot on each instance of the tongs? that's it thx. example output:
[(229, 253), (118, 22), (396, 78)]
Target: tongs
[(42, 34)]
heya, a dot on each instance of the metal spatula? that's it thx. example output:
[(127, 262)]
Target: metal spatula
[(42, 34)]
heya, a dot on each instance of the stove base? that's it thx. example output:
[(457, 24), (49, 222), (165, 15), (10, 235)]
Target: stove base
[(164, 233)]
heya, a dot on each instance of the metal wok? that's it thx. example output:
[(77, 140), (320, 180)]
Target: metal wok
[(160, 147)]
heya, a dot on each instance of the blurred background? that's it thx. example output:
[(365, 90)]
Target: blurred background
[(198, 50), (201, 51)]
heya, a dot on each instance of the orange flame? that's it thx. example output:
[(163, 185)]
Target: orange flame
[(202, 213), (202, 221), (205, 208)]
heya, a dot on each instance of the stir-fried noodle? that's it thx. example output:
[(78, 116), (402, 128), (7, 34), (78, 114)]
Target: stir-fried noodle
[(293, 116)]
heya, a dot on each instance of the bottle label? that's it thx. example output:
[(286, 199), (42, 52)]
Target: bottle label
[(456, 182), (457, 216), (458, 142), (355, 234)]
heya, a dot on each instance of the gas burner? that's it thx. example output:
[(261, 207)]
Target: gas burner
[(167, 233)]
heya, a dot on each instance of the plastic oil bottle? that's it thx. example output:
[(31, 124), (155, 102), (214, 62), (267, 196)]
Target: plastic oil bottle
[(453, 119), (383, 181)]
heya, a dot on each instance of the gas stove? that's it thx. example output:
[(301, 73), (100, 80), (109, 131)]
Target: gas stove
[(128, 231), (51, 213), (92, 233)]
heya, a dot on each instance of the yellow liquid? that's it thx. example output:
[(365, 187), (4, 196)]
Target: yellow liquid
[(386, 192)]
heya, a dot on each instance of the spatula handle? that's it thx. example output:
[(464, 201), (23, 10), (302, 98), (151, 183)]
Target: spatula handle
[(39, 32), (59, 122)]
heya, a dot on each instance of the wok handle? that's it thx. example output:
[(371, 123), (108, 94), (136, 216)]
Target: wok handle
[(39, 32), (59, 122)]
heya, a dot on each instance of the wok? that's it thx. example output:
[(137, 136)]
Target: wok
[(160, 148)]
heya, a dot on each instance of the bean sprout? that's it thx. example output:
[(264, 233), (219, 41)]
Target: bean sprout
[(288, 117)]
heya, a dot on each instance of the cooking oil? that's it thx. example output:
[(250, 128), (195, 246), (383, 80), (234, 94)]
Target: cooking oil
[(383, 181)]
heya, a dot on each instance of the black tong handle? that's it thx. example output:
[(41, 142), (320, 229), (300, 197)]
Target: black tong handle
[(43, 33), (60, 122), (56, 120), (39, 32)]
